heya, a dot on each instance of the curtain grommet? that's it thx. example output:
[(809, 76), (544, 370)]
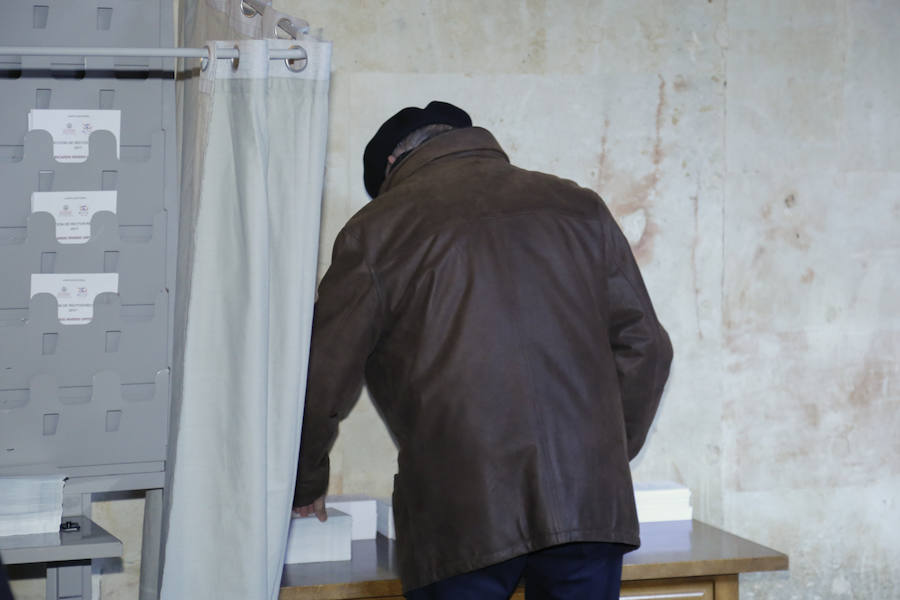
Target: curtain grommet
[(285, 29), (297, 64), (204, 61), (247, 10)]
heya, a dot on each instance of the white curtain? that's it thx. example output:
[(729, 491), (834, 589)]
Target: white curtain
[(253, 135)]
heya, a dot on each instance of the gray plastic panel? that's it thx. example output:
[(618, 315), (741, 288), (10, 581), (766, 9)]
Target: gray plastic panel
[(105, 23), (137, 254), (130, 340), (89, 400), (138, 178), (106, 424), (135, 86)]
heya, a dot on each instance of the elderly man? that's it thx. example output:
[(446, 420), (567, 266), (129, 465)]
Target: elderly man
[(501, 324)]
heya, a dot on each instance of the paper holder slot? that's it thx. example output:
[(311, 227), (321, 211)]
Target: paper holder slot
[(113, 420), (112, 341), (110, 261), (45, 181), (48, 262), (109, 180), (51, 423), (42, 98), (104, 18), (39, 16), (48, 343)]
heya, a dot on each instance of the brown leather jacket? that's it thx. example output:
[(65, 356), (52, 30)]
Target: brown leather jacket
[(506, 335)]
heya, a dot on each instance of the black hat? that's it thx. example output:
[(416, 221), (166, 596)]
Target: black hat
[(398, 127)]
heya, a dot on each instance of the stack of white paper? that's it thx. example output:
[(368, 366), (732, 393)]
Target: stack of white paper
[(310, 540), (71, 129), (362, 512), (30, 504), (662, 501), (386, 520)]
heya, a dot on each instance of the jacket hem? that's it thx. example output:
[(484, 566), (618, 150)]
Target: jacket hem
[(538, 542)]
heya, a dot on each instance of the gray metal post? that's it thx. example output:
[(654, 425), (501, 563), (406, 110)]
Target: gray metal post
[(150, 545), (70, 582)]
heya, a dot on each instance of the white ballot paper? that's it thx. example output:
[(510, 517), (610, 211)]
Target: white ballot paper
[(71, 129), (363, 513), (31, 504), (74, 292), (73, 211), (662, 501), (312, 541)]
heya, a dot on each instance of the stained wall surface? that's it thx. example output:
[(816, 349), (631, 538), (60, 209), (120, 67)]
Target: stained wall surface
[(750, 152), (749, 149)]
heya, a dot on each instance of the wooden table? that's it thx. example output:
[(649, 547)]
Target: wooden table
[(677, 560)]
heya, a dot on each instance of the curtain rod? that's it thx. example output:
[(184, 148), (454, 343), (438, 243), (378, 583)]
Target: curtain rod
[(232, 53)]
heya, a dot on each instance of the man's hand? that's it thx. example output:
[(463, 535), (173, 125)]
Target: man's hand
[(317, 508)]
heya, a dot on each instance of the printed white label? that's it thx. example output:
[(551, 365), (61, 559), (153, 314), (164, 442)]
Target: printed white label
[(73, 211), (74, 292), (71, 129)]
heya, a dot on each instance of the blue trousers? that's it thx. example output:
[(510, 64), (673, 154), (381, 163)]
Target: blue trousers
[(580, 571), (5, 592)]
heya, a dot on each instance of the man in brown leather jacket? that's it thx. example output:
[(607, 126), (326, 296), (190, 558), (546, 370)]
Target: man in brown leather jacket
[(501, 324)]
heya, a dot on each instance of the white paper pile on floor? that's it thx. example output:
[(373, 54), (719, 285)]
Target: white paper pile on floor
[(386, 519), (662, 501), (310, 540), (31, 504), (362, 511)]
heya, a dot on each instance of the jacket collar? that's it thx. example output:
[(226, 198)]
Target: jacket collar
[(458, 141)]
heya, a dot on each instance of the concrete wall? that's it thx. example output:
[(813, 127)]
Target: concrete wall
[(750, 151)]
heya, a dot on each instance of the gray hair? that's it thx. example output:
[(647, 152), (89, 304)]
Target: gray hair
[(416, 139)]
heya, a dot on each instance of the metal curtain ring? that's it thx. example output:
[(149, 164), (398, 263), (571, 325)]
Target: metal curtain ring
[(204, 61), (247, 10), (285, 29), (297, 64), (236, 61)]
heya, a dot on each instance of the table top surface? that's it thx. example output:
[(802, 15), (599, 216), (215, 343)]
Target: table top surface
[(668, 550)]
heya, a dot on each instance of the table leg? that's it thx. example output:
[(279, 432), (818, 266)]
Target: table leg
[(725, 587)]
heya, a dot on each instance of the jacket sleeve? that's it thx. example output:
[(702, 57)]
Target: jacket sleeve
[(345, 330), (640, 345)]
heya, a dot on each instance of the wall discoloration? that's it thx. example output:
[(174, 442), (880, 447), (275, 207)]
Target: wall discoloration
[(636, 197), (660, 107), (776, 232), (750, 150), (791, 431), (604, 141), (741, 217), (695, 201), (763, 213)]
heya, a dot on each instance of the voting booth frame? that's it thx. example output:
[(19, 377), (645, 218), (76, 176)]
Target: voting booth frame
[(89, 401)]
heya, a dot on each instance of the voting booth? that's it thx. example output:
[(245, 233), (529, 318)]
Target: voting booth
[(88, 231)]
